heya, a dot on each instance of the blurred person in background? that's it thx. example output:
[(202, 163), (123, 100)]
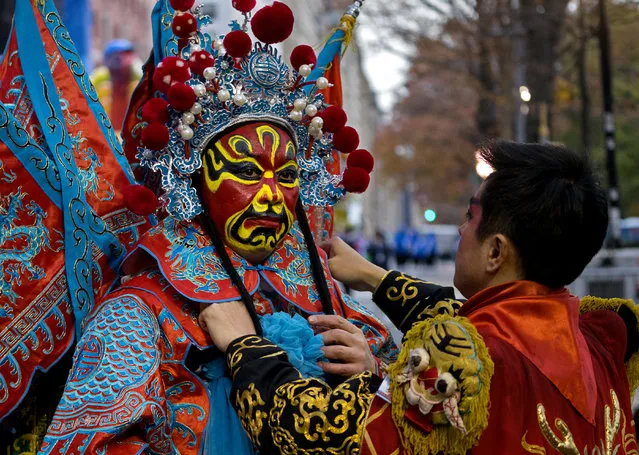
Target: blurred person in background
[(116, 79), (379, 251)]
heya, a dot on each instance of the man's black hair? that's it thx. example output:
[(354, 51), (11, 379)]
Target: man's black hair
[(548, 201)]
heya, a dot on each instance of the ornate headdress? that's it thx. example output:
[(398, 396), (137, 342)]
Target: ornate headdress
[(205, 87)]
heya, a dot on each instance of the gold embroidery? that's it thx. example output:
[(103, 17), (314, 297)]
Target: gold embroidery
[(252, 417), (322, 421), (612, 426), (252, 342), (532, 448), (379, 284), (404, 290), (567, 445)]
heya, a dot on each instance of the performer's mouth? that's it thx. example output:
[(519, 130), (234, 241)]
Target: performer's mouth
[(267, 221)]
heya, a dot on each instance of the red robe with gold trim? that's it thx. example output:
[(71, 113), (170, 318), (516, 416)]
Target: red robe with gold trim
[(552, 365)]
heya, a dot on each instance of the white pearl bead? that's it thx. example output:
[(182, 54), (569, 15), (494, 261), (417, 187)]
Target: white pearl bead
[(210, 73), (322, 83), (311, 110), (200, 90), (318, 122), (299, 104), (315, 131), (188, 118), (296, 116), (239, 99), (218, 44), (224, 95), (196, 109), (196, 48), (305, 70), (186, 132)]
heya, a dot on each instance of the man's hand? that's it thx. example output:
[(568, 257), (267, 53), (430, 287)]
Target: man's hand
[(226, 322), (350, 268), (346, 344)]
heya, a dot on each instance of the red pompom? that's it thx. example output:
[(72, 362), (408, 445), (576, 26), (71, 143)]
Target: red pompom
[(273, 24), (238, 44), (303, 55), (169, 71), (131, 148), (140, 200), (184, 25), (155, 136), (346, 140), (362, 159), (156, 110), (356, 180), (181, 97), (244, 6), (182, 5), (199, 61), (334, 119)]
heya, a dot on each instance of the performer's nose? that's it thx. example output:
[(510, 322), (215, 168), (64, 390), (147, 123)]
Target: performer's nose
[(270, 195)]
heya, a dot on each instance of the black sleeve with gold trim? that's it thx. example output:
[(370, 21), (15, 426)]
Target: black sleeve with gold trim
[(407, 300), (284, 413)]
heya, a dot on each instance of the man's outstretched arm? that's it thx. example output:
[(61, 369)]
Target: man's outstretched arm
[(407, 300), (404, 299)]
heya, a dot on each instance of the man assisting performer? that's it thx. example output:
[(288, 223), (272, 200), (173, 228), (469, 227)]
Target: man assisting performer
[(521, 367)]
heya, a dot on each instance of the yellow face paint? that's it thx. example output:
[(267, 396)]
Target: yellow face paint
[(251, 187)]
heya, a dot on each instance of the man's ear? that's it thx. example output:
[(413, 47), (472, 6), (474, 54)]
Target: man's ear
[(499, 253)]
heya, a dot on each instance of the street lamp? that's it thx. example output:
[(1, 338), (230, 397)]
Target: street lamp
[(524, 93)]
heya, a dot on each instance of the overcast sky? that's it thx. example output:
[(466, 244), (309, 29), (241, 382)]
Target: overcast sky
[(385, 71)]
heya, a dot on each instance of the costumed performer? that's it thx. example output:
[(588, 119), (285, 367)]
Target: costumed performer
[(521, 367), (234, 143)]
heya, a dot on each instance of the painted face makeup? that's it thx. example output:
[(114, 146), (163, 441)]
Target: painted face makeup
[(251, 187)]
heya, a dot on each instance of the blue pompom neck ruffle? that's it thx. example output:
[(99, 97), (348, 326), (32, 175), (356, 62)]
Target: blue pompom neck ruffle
[(295, 336)]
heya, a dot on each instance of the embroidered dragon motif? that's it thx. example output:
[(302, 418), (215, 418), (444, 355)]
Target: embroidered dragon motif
[(89, 179), (20, 243)]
